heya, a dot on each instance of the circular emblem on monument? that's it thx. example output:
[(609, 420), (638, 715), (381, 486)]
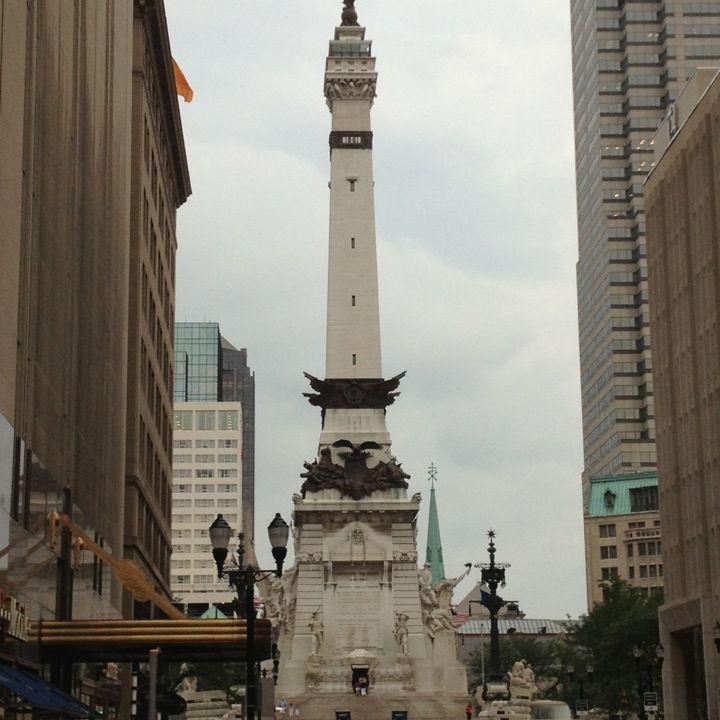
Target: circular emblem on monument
[(354, 393)]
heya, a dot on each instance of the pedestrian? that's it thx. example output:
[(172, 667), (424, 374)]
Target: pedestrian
[(468, 711)]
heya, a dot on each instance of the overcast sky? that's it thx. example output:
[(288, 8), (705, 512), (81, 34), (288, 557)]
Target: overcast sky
[(475, 211)]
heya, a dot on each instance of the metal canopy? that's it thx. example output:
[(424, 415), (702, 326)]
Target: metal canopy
[(131, 640), (41, 696)]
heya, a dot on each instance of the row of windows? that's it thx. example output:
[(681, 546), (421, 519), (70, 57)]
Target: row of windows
[(154, 397), (199, 518), (187, 563), (206, 420), (205, 488), (196, 579), (652, 547), (221, 443), (197, 533), (204, 548), (205, 458), (204, 473), (646, 571), (180, 503)]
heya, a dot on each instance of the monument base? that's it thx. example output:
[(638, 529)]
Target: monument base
[(380, 706)]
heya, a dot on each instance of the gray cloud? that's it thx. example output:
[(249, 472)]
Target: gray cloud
[(476, 237)]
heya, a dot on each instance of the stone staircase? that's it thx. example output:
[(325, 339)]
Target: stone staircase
[(380, 706), (205, 705)]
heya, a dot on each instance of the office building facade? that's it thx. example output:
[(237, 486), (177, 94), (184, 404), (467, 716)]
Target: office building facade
[(211, 376), (91, 159), (207, 473), (622, 533), (159, 185), (684, 271), (630, 60)]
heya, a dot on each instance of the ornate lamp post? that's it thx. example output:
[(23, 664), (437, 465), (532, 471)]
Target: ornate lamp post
[(492, 575), (589, 670), (652, 659), (242, 579)]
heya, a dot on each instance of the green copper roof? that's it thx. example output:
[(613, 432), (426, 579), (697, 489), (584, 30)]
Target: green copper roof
[(213, 613), (610, 494), (433, 552)]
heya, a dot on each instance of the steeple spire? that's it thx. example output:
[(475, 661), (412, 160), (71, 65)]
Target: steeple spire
[(433, 552)]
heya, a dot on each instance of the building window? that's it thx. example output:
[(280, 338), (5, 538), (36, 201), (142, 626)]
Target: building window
[(230, 458), (228, 420), (227, 443), (354, 359), (608, 552), (631, 573), (227, 473), (352, 182), (204, 443), (352, 243), (636, 525), (204, 473), (630, 550), (205, 419), (178, 459), (227, 488), (182, 443), (644, 499), (210, 458), (609, 573), (607, 531), (353, 301), (643, 571), (183, 420), (182, 488), (204, 489)]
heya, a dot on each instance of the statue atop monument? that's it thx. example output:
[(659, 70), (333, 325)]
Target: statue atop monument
[(349, 16)]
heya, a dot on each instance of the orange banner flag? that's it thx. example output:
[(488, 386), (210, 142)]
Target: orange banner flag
[(182, 86)]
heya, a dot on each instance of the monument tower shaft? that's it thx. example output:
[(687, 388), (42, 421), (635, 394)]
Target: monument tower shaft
[(353, 316), (354, 611)]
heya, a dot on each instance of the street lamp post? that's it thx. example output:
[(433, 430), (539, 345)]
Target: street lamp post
[(655, 659), (589, 670), (492, 575), (242, 579)]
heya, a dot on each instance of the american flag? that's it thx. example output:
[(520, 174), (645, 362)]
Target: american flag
[(459, 617)]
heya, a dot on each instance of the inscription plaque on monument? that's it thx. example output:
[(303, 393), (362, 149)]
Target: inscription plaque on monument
[(357, 587)]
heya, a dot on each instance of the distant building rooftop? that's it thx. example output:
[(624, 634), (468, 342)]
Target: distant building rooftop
[(521, 626), (623, 494)]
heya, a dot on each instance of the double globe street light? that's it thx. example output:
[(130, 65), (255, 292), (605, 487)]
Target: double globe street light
[(242, 579)]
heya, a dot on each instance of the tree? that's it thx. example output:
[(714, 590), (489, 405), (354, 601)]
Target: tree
[(626, 619)]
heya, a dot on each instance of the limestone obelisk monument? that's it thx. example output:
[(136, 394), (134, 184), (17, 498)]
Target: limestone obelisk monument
[(355, 611)]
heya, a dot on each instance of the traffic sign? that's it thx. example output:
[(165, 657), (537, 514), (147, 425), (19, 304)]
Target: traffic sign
[(582, 708), (650, 701)]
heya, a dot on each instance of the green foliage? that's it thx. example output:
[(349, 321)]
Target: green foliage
[(548, 658), (627, 618), (603, 640)]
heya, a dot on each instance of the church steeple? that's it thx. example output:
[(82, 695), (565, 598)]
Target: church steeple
[(433, 551)]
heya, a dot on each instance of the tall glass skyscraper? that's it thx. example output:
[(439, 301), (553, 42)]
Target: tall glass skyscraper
[(630, 60)]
